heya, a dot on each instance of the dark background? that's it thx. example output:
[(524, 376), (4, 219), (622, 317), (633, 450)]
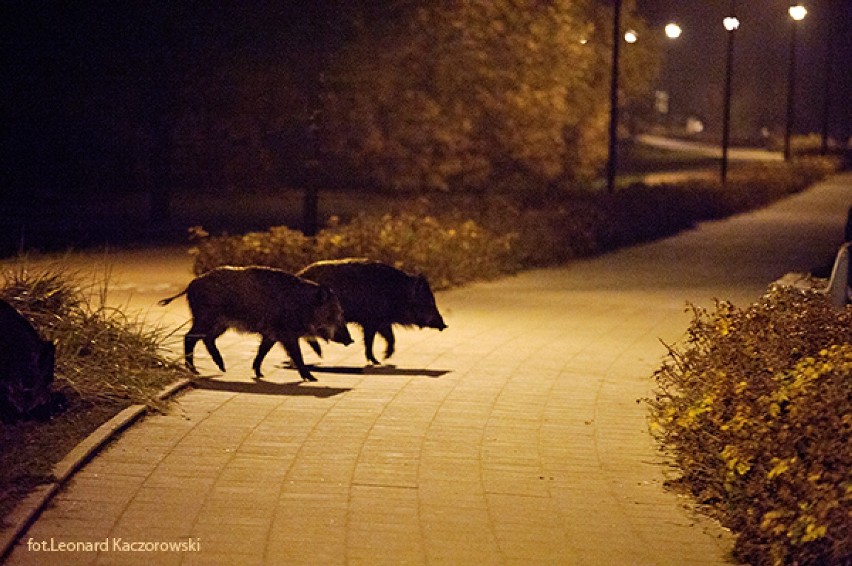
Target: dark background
[(89, 88), (695, 63)]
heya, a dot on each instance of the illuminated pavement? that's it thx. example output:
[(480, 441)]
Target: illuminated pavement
[(513, 437)]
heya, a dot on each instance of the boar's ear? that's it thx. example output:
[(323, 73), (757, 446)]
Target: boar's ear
[(420, 287), (324, 294)]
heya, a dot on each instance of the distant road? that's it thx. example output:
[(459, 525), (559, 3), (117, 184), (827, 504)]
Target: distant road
[(710, 150)]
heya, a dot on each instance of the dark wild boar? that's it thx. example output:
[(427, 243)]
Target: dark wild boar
[(277, 305), (26, 365), (376, 296)]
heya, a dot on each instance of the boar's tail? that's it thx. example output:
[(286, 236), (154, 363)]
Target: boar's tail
[(164, 302)]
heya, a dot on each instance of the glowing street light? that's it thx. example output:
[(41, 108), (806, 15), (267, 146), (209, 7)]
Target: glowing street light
[(673, 30), (731, 24), (797, 14), (630, 36)]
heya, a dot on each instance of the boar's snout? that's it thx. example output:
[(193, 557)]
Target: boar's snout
[(436, 322), (342, 336), (433, 320)]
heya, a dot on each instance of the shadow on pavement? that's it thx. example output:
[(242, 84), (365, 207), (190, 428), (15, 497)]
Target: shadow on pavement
[(381, 370), (260, 387)]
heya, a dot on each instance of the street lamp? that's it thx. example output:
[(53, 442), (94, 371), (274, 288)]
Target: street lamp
[(611, 164), (797, 13), (663, 100), (731, 24), (673, 30)]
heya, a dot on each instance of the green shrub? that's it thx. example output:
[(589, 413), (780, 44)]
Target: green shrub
[(456, 239), (449, 251), (754, 411)]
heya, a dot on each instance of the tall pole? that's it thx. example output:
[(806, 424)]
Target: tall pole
[(612, 161), (826, 100), (791, 89), (797, 13), (731, 24)]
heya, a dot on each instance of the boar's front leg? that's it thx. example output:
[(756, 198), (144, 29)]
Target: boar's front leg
[(369, 337), (315, 346), (386, 332), (291, 344), (265, 345)]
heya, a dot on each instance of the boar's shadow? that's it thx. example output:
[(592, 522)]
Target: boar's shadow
[(258, 387), (380, 370)]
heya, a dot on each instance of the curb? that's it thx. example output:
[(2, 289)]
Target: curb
[(25, 513)]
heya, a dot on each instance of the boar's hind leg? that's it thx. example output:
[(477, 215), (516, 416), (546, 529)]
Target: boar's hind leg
[(369, 337), (265, 345), (207, 332), (292, 347), (386, 332), (210, 343), (189, 342)]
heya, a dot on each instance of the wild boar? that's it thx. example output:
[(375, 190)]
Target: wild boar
[(277, 305), (376, 296), (26, 365)]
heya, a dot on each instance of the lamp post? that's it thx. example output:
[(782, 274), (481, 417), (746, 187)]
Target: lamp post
[(797, 13), (673, 31), (826, 97), (731, 24), (611, 163), (664, 105)]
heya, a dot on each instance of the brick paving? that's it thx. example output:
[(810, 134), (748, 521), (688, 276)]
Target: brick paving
[(513, 437)]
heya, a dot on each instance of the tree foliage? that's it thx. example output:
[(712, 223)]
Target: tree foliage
[(466, 94)]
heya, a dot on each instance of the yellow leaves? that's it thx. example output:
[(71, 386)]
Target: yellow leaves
[(779, 466), (775, 521), (689, 418), (735, 461), (814, 532), (723, 326), (773, 437)]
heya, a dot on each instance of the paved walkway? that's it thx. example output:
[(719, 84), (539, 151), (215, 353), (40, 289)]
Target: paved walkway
[(514, 437)]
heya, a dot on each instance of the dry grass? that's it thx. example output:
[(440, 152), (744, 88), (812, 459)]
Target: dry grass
[(105, 362)]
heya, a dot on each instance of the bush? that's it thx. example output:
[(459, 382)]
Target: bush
[(456, 239), (754, 411), (449, 251)]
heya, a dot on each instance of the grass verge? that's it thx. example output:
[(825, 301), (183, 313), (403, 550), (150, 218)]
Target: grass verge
[(105, 362)]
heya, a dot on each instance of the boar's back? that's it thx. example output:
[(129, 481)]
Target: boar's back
[(254, 299), (371, 291)]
